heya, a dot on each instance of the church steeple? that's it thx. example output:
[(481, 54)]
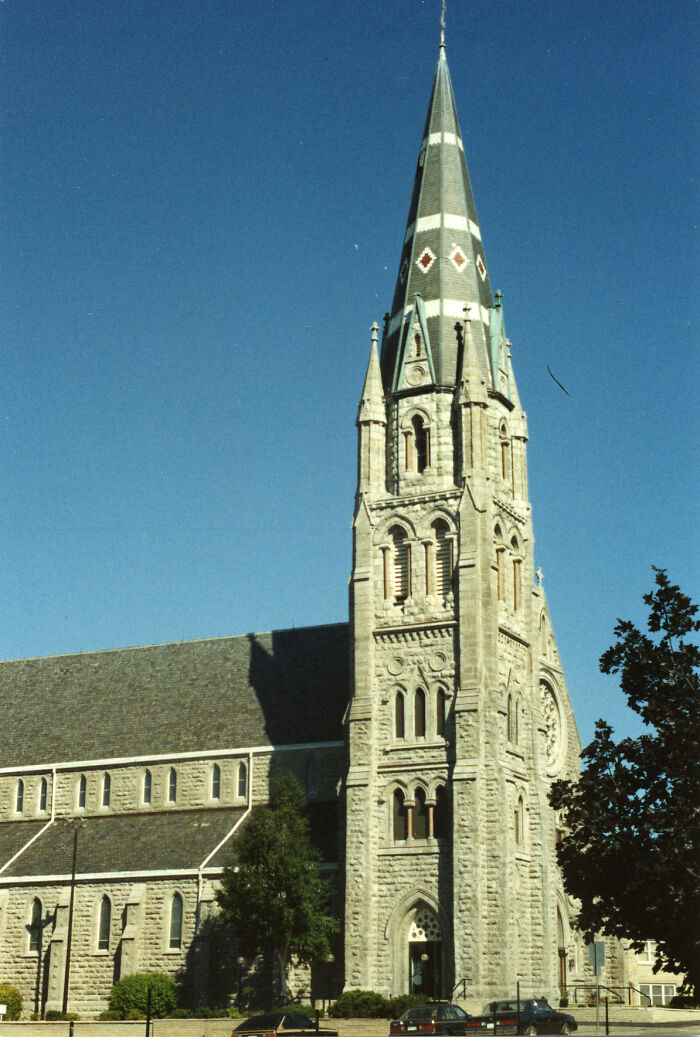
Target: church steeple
[(442, 260)]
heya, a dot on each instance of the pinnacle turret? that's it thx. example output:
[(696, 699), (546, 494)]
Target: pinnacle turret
[(442, 259)]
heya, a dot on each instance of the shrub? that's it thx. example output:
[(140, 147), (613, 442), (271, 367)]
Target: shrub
[(11, 997), (298, 1007), (129, 996), (179, 1013), (109, 1014), (54, 1015), (404, 1001), (684, 1001), (362, 1004)]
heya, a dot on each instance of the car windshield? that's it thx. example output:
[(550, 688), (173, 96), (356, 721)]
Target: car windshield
[(422, 1012), (501, 1006)]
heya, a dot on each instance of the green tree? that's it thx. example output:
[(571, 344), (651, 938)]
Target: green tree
[(129, 996), (632, 853), (272, 891)]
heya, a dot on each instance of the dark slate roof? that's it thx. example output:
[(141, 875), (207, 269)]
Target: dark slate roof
[(277, 688), (120, 842), (441, 189), (177, 839)]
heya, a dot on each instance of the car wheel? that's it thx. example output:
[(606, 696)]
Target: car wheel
[(565, 1028), (531, 1031)]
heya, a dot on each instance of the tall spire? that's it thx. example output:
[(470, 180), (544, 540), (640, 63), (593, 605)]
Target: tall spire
[(442, 258)]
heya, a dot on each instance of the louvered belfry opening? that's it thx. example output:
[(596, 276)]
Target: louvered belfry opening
[(401, 559), (443, 558), (422, 444)]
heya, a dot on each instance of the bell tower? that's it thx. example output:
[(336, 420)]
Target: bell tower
[(457, 721)]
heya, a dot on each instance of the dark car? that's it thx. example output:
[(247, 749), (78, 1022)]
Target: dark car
[(437, 1018), (292, 1024), (536, 1016)]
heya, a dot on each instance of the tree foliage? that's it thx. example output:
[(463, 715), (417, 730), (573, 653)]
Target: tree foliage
[(129, 996), (11, 997), (272, 890), (632, 853)]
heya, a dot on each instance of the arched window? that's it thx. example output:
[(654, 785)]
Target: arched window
[(440, 711), (399, 716), (505, 453), (441, 823), (421, 437), (500, 561), (509, 719), (43, 794), (443, 558), (420, 816), (516, 575), (19, 797), (82, 792), (106, 790), (147, 787), (172, 785), (517, 709), (518, 819), (400, 817), (419, 713), (312, 777), (104, 924), (176, 922), (216, 782), (35, 925), (242, 783), (401, 563)]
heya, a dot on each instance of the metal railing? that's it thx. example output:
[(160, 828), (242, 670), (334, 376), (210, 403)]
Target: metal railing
[(596, 993)]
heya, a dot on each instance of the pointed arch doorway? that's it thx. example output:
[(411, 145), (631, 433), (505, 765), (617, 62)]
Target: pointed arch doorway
[(425, 954)]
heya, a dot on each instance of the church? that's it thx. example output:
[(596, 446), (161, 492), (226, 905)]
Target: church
[(426, 730)]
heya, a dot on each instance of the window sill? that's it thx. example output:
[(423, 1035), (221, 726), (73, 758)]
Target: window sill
[(398, 746), (431, 847)]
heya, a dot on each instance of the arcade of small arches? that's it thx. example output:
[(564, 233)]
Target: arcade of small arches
[(401, 578), (419, 812), (415, 430)]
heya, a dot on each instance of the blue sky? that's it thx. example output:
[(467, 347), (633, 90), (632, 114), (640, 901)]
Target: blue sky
[(202, 209)]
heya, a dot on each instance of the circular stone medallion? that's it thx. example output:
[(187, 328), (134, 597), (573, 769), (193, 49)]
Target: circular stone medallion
[(395, 665), (438, 661)]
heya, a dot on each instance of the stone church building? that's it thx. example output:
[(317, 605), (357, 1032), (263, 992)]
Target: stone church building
[(426, 730)]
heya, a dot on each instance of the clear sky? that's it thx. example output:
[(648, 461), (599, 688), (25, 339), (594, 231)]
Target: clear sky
[(203, 204)]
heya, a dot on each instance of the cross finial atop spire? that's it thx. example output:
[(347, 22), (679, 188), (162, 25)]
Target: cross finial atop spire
[(442, 27)]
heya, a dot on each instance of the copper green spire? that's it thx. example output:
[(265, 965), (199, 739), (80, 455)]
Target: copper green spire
[(442, 259)]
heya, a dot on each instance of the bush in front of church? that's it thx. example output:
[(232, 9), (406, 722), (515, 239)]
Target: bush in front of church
[(129, 995), (11, 997)]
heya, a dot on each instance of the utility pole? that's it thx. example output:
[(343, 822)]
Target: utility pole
[(70, 921)]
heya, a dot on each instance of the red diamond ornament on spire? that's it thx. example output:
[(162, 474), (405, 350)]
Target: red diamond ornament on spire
[(425, 260), (458, 258), (481, 267)]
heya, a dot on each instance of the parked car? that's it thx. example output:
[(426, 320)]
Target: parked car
[(435, 1018), (291, 1024), (536, 1017)]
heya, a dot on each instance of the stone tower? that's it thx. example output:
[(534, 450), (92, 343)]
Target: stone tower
[(459, 716)]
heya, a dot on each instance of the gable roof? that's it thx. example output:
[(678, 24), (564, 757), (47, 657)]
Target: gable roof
[(282, 687)]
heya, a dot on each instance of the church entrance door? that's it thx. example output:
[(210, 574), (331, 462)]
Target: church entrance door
[(425, 968)]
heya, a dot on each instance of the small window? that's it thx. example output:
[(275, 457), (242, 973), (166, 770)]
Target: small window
[(19, 797), (82, 792), (147, 790), (500, 573), (420, 816), (509, 719), (172, 785), (400, 816), (518, 821), (106, 790), (419, 713), (216, 782), (242, 783), (422, 444), (176, 922), (399, 716), (440, 711), (43, 794), (312, 778), (35, 925), (105, 921)]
